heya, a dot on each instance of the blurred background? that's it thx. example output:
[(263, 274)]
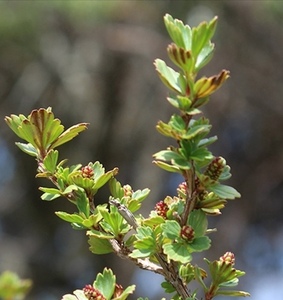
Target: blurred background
[(92, 61)]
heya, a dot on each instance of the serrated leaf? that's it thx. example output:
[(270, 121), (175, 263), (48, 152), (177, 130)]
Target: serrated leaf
[(50, 160), (181, 34), (82, 203), (105, 283)]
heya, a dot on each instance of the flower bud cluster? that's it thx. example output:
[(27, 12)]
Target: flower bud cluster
[(161, 208), (215, 168), (187, 233), (87, 171), (228, 257), (92, 294)]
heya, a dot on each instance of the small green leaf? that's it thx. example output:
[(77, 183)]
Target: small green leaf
[(82, 203), (27, 148), (72, 218), (181, 34), (140, 195), (105, 283), (99, 245), (169, 77), (49, 193), (115, 188), (167, 167), (232, 293), (69, 134), (50, 160)]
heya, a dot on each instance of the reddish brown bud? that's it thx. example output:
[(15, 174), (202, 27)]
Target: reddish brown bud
[(92, 293), (228, 257), (187, 233), (161, 208), (87, 172)]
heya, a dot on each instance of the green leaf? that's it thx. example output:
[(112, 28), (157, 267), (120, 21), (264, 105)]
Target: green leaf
[(78, 295), (71, 218), (199, 244), (27, 148), (140, 195), (50, 193), (116, 189), (50, 160), (114, 223), (204, 56), (82, 202), (177, 252), (169, 77), (99, 245), (224, 191), (69, 134), (141, 253), (201, 35), (171, 229), (181, 34), (232, 293), (105, 283), (167, 155), (167, 167), (198, 220)]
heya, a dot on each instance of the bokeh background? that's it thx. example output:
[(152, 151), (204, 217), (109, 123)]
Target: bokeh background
[(92, 61)]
